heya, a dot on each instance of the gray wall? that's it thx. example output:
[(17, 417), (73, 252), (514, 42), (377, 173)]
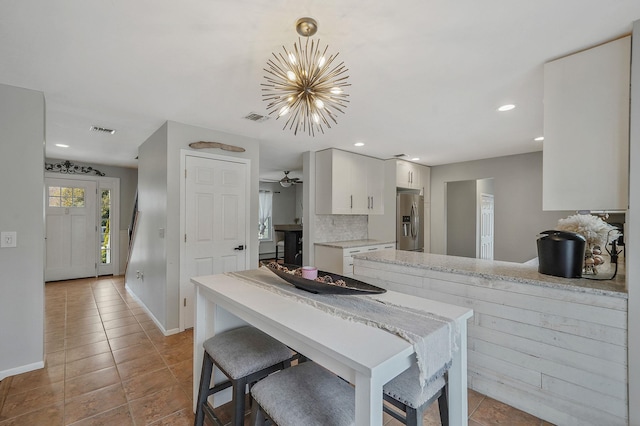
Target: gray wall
[(159, 192), (518, 206), (461, 218), (22, 137), (149, 252)]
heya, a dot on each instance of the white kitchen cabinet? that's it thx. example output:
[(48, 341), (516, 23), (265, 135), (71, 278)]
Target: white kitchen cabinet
[(375, 185), (408, 175), (425, 177), (339, 260), (348, 183), (413, 176), (586, 129)]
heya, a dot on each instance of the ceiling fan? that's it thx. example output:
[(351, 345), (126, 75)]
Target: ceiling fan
[(286, 181)]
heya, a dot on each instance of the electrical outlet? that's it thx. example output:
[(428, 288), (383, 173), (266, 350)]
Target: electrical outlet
[(8, 239)]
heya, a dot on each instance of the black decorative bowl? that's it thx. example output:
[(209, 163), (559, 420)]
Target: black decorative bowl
[(352, 286)]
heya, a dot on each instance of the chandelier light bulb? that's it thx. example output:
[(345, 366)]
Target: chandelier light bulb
[(305, 84)]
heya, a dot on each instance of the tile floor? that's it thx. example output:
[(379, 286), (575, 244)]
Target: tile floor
[(108, 364)]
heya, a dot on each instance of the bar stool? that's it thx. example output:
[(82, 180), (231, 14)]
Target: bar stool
[(305, 394), (405, 393), (245, 355)]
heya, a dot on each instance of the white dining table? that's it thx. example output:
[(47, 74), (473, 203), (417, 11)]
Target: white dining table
[(368, 357)]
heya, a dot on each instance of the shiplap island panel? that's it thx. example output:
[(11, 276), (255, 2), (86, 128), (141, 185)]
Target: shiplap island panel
[(553, 347)]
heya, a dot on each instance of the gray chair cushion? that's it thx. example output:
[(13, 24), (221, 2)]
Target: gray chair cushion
[(406, 387), (306, 394), (245, 350)]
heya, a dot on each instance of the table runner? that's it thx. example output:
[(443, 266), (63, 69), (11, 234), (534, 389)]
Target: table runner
[(432, 336)]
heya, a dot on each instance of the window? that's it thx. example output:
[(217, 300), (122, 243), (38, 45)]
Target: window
[(265, 225), (62, 196), (105, 226)]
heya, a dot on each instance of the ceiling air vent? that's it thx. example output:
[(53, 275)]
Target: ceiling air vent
[(102, 130), (400, 155), (258, 118)]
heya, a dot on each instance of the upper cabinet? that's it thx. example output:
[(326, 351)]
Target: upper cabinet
[(586, 129), (348, 183), (408, 175), (413, 176)]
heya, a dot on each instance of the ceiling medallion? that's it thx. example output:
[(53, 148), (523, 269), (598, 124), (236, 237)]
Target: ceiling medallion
[(304, 86)]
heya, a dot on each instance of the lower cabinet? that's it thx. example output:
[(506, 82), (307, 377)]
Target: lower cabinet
[(340, 260)]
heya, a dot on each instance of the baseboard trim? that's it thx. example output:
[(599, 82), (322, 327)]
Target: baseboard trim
[(148, 312), (21, 369)]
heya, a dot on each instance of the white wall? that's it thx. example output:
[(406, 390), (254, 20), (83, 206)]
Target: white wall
[(309, 203), (633, 235), (22, 137), (518, 208), (159, 204)]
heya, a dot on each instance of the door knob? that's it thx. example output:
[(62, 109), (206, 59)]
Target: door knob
[(240, 247)]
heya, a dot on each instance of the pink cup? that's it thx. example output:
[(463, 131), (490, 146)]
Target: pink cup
[(309, 272)]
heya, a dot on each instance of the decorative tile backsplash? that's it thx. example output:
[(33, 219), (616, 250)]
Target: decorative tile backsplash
[(333, 227)]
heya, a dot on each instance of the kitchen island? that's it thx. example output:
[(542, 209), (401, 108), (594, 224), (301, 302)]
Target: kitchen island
[(367, 356), (554, 347)]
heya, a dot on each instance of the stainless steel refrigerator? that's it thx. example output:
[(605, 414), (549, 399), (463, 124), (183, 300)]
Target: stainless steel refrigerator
[(410, 222)]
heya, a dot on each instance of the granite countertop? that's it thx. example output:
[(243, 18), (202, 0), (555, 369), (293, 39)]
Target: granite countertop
[(498, 270), (353, 243)]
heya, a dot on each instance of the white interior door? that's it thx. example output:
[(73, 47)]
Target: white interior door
[(486, 226), (215, 222), (71, 248)]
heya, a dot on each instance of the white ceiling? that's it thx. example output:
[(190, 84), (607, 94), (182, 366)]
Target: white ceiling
[(427, 76)]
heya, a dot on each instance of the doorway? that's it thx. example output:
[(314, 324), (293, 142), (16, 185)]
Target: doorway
[(81, 222), (470, 218), (215, 222)]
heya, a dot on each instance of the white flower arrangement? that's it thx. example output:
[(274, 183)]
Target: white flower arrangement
[(596, 231)]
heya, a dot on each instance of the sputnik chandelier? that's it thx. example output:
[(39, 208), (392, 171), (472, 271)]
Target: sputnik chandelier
[(304, 86)]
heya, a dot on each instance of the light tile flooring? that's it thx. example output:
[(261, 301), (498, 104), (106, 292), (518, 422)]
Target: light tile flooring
[(108, 364)]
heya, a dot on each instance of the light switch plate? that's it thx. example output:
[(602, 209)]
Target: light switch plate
[(8, 239)]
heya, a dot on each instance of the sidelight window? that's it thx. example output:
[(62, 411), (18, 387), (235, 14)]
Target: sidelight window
[(105, 226)]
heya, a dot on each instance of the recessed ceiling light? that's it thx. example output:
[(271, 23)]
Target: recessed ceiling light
[(61, 145), (415, 159), (358, 144), (507, 107), (539, 139)]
